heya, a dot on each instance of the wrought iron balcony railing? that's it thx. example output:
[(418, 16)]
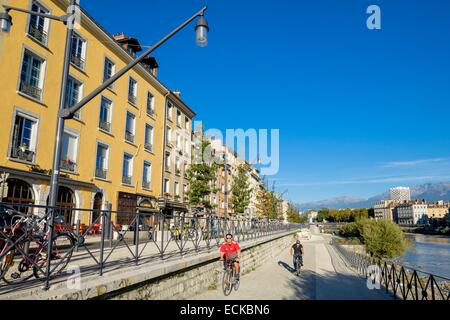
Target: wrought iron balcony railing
[(101, 173), (30, 90), (39, 35), (129, 137), (148, 147), (104, 125), (126, 179), (132, 99), (21, 154), (146, 184), (68, 165), (150, 112), (78, 61)]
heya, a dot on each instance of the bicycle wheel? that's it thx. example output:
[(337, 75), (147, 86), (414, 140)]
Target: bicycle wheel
[(227, 284), (62, 250), (18, 267)]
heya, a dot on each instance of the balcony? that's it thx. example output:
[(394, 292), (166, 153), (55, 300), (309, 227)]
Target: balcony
[(30, 90), (148, 147), (101, 173), (177, 172), (129, 137), (132, 99), (39, 35), (146, 184), (67, 165), (77, 61), (126, 180), (22, 154), (104, 125)]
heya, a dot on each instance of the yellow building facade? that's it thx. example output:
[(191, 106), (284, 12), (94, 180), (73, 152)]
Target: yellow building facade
[(113, 151)]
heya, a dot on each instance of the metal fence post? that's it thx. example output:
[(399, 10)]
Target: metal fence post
[(162, 234), (102, 241), (136, 238), (78, 232)]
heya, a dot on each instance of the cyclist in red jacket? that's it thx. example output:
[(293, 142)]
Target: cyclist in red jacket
[(230, 250)]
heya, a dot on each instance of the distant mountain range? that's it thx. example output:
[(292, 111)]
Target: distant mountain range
[(429, 191)]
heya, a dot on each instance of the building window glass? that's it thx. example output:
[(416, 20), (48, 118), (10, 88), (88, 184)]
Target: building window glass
[(146, 178), (150, 104), (127, 169), (73, 94), (78, 51), (130, 127), (132, 91), (69, 152), (101, 163), (24, 138), (31, 76), (105, 114), (108, 71), (148, 137), (38, 26)]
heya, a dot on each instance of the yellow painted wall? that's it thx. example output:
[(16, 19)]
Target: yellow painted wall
[(11, 49)]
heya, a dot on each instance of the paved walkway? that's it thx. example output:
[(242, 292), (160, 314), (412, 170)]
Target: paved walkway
[(323, 277)]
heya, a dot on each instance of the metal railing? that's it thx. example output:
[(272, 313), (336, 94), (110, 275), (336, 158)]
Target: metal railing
[(148, 147), (67, 165), (403, 282), (106, 239), (104, 125), (126, 180), (132, 99), (30, 90), (101, 173), (24, 155), (129, 137), (77, 61), (39, 35)]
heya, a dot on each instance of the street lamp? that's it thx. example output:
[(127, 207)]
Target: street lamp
[(68, 113), (5, 21), (201, 30)]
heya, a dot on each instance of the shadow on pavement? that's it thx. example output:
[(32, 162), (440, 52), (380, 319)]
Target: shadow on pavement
[(286, 266)]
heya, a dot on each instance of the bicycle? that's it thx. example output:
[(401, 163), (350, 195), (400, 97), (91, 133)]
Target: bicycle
[(23, 249), (298, 265), (229, 280)]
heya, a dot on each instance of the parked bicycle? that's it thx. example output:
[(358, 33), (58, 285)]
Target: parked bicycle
[(229, 280), (24, 247)]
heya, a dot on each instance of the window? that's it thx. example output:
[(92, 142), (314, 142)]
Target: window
[(169, 111), (185, 169), (132, 91), (32, 75), (101, 161), (130, 127), (179, 142), (38, 26), (168, 135), (187, 144), (104, 122), (73, 93), (166, 186), (178, 118), (146, 178), (148, 137), (177, 166), (150, 104), (185, 192), (167, 161), (177, 189), (69, 151), (186, 123), (78, 51), (108, 71), (127, 168), (23, 145)]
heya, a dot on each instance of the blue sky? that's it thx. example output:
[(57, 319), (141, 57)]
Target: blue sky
[(358, 110)]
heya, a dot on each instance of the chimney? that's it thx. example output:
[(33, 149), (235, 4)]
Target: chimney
[(177, 93), (131, 45)]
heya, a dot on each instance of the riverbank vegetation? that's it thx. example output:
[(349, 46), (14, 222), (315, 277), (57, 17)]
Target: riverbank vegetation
[(342, 215), (382, 239)]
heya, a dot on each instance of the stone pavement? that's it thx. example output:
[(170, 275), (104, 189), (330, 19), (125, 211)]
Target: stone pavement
[(323, 277)]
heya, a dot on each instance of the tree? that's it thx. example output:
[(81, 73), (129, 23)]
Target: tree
[(201, 177), (241, 191)]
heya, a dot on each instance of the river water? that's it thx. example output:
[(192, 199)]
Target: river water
[(428, 253)]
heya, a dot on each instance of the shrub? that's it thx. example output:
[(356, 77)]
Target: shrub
[(350, 230)]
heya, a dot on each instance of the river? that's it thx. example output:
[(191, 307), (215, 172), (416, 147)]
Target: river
[(429, 253)]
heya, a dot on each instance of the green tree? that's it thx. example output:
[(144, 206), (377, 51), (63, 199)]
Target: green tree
[(201, 177), (241, 190)]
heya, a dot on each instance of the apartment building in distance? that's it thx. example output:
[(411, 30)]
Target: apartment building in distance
[(438, 210), (400, 194), (413, 212), (114, 148), (385, 210)]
